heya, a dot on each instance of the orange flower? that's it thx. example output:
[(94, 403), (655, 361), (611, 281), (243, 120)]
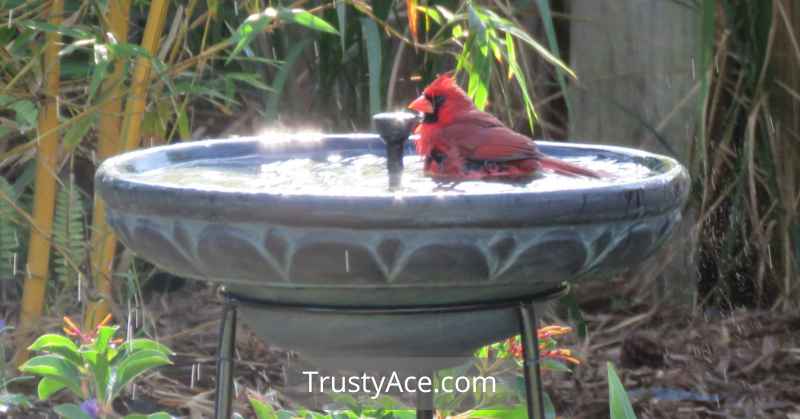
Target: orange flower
[(553, 330), (71, 329), (562, 354), (546, 335)]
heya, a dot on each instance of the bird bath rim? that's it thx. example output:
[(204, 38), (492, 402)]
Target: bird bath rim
[(662, 192)]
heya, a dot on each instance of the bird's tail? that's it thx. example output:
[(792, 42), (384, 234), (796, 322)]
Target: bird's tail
[(564, 168)]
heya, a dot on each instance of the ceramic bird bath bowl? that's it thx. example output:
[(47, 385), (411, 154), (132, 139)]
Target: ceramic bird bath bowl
[(253, 215)]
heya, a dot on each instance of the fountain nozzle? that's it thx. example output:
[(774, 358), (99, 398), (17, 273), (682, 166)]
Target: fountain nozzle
[(394, 129)]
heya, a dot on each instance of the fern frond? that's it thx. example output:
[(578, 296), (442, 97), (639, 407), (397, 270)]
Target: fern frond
[(69, 234), (9, 230)]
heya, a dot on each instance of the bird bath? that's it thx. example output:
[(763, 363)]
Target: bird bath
[(355, 271)]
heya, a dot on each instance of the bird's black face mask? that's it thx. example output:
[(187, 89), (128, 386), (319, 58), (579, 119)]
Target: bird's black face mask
[(437, 102)]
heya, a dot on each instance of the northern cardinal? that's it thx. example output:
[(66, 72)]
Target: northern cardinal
[(460, 142)]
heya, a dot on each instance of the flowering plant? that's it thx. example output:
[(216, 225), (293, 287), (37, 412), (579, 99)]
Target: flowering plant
[(549, 352), (95, 369)]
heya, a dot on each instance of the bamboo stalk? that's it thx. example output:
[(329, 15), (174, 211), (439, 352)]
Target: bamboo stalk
[(135, 106), (103, 240), (45, 193)]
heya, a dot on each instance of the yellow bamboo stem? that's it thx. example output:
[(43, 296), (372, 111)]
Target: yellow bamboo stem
[(103, 240), (135, 106), (44, 197)]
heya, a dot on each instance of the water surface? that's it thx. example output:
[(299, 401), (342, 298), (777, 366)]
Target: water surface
[(365, 175)]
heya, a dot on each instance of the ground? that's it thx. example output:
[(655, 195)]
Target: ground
[(676, 362)]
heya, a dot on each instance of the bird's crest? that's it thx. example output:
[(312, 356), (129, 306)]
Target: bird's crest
[(443, 82)]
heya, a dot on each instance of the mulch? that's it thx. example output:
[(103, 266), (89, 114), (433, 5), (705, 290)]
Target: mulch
[(675, 360)]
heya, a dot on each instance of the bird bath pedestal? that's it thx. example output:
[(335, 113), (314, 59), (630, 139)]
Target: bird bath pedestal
[(382, 273)]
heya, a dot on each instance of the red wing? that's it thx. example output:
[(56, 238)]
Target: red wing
[(480, 136)]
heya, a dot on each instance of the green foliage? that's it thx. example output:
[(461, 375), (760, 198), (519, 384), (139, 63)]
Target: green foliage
[(618, 402), (9, 230), (374, 47), (9, 401), (69, 234), (25, 113), (746, 158), (96, 369), (258, 23), (487, 42)]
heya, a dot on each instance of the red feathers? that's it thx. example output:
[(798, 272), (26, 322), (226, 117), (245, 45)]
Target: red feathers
[(461, 142)]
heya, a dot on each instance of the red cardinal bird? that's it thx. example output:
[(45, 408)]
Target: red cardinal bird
[(460, 142)]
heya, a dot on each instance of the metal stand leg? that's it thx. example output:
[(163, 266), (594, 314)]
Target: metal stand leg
[(530, 346), (227, 343), (425, 408)]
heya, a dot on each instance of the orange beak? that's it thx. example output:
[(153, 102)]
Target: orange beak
[(421, 104)]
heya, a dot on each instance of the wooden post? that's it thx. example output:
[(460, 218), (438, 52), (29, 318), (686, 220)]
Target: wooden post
[(638, 87), (634, 60)]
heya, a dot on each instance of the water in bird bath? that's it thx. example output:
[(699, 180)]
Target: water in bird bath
[(365, 175)]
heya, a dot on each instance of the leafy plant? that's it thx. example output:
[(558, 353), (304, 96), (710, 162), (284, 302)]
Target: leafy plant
[(488, 41), (69, 234), (95, 370), (618, 402)]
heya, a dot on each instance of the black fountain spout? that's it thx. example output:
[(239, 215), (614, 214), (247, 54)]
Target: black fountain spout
[(394, 129)]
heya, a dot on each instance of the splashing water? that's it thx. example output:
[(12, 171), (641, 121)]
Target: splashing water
[(365, 175)]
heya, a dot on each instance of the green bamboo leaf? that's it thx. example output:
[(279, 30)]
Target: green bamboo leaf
[(618, 402), (183, 124), (431, 13), (72, 47), (307, 19), (516, 71), (262, 410), (552, 41), (71, 31), (249, 78), (56, 368), (126, 50), (71, 411), (100, 70), (134, 365), (446, 13), (708, 29), (47, 387), (252, 26), (372, 39), (458, 31), (279, 82), (508, 26), (77, 131)]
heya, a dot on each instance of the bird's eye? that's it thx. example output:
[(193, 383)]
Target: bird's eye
[(437, 101)]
